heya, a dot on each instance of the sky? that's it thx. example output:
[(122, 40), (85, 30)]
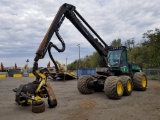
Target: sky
[(24, 23)]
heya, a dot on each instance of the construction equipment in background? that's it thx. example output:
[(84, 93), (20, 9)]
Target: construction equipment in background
[(3, 72), (115, 76), (49, 65), (63, 73), (15, 66), (1, 67)]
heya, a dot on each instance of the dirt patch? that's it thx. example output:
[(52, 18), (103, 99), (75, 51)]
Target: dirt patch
[(84, 110), (74, 106), (87, 104)]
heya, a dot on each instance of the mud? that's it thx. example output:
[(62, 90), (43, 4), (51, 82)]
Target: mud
[(74, 106)]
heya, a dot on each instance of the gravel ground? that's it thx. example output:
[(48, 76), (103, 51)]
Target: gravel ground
[(74, 106)]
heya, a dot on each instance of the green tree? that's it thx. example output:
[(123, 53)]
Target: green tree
[(91, 61), (152, 44), (147, 52), (116, 42), (130, 43)]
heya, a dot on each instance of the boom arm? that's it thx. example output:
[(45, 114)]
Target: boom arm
[(69, 11)]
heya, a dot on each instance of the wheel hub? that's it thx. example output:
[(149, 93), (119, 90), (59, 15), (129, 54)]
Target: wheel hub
[(129, 85), (119, 88), (144, 81)]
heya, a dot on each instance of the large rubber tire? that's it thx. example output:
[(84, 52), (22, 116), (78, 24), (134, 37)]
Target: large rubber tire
[(113, 87), (140, 81), (82, 84), (38, 106), (128, 85)]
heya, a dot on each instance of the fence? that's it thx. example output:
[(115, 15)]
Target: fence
[(153, 74)]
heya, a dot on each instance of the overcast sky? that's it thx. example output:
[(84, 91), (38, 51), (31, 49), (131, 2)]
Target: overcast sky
[(24, 23)]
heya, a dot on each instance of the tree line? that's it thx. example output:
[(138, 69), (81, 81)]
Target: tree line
[(147, 52)]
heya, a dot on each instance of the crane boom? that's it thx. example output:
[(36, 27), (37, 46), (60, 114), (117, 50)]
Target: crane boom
[(69, 11)]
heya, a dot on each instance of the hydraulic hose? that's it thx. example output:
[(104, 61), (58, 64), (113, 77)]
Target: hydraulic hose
[(58, 49)]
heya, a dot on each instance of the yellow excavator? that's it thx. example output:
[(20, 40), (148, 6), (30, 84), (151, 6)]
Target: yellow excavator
[(63, 73)]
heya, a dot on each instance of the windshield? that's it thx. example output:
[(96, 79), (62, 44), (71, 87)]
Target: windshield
[(114, 57)]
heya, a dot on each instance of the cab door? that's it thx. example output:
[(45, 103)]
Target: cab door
[(124, 61)]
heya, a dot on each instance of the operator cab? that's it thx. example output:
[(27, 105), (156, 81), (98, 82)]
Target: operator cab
[(117, 58)]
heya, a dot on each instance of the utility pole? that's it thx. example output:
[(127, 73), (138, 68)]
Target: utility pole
[(79, 65), (66, 64)]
